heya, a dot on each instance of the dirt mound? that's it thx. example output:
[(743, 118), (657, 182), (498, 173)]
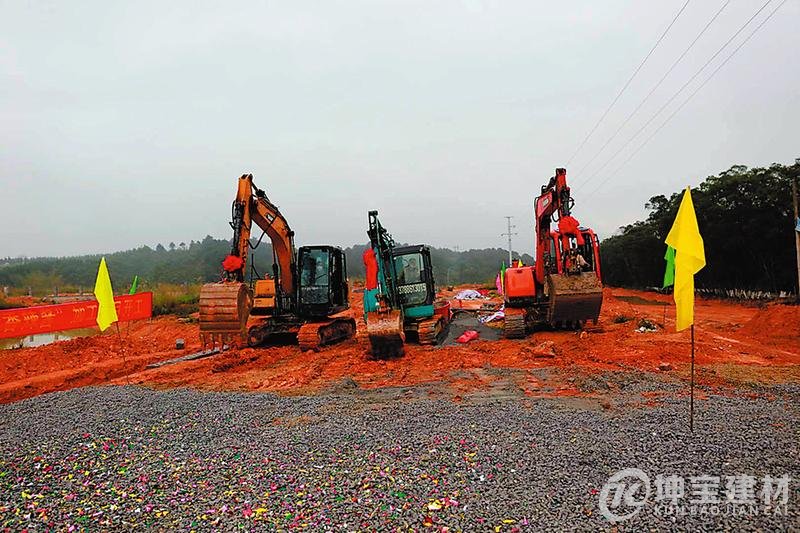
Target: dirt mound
[(775, 322)]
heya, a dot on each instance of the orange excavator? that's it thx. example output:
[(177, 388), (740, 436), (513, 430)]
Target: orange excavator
[(306, 296), (564, 287)]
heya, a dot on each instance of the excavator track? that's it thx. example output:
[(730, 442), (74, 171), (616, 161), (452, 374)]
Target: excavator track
[(514, 323), (385, 333), (224, 309), (313, 335), (428, 330)]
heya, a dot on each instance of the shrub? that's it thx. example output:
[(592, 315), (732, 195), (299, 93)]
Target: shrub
[(174, 299)]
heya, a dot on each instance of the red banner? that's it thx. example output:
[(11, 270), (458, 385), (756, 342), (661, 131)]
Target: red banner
[(74, 315)]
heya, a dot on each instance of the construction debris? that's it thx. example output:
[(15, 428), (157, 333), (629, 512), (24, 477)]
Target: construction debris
[(191, 357), (497, 315), (469, 335), (469, 294), (646, 326)]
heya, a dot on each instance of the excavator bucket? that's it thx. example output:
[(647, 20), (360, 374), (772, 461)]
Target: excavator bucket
[(385, 332), (574, 298), (224, 309)]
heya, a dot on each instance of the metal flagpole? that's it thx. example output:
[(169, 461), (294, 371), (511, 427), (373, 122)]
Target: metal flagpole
[(796, 233), (122, 347), (691, 389)]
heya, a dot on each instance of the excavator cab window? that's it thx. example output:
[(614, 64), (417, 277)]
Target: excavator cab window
[(409, 268), (588, 251), (551, 251), (551, 255), (323, 281), (315, 267), (339, 287), (412, 278)]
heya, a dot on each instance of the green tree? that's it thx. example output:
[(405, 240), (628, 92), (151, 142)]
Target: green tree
[(746, 220)]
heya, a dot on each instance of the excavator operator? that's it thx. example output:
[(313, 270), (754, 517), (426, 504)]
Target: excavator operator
[(410, 272)]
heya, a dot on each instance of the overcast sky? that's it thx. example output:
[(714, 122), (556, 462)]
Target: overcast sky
[(128, 123)]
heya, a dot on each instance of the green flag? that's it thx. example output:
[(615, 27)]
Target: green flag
[(669, 274), (134, 285)]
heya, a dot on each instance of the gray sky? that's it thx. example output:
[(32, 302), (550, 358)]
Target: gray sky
[(128, 123)]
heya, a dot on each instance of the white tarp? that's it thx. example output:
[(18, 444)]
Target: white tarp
[(469, 294)]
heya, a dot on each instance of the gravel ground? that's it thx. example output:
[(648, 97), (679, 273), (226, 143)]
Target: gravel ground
[(121, 457)]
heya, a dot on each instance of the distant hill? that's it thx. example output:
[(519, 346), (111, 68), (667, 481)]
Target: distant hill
[(200, 261)]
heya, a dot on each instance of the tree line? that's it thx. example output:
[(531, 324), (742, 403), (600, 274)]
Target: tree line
[(201, 262), (746, 219), (197, 262)]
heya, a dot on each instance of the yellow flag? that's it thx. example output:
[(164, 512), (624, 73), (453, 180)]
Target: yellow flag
[(690, 257), (106, 312)]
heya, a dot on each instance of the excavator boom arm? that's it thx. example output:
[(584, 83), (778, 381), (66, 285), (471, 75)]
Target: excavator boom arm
[(225, 307), (555, 198), (252, 206), (383, 244), (279, 306)]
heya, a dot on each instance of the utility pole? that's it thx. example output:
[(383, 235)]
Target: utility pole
[(509, 234), (796, 233)]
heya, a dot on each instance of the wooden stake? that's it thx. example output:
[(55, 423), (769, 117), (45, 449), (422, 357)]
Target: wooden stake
[(691, 389)]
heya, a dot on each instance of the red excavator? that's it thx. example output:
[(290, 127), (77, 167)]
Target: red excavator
[(564, 287), (305, 296)]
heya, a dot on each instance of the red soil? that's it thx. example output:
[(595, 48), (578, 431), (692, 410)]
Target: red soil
[(735, 343), (94, 360)]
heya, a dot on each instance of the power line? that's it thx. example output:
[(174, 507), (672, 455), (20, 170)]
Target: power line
[(672, 98), (655, 87), (675, 112), (635, 72)]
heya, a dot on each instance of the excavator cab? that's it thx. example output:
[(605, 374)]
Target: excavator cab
[(557, 258), (415, 286), (322, 287)]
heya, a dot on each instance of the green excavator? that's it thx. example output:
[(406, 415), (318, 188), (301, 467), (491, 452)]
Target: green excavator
[(400, 296)]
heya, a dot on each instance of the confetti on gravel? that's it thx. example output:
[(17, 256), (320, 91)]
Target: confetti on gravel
[(120, 457)]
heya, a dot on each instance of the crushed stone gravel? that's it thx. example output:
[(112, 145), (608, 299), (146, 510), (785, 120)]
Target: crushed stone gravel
[(120, 457)]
